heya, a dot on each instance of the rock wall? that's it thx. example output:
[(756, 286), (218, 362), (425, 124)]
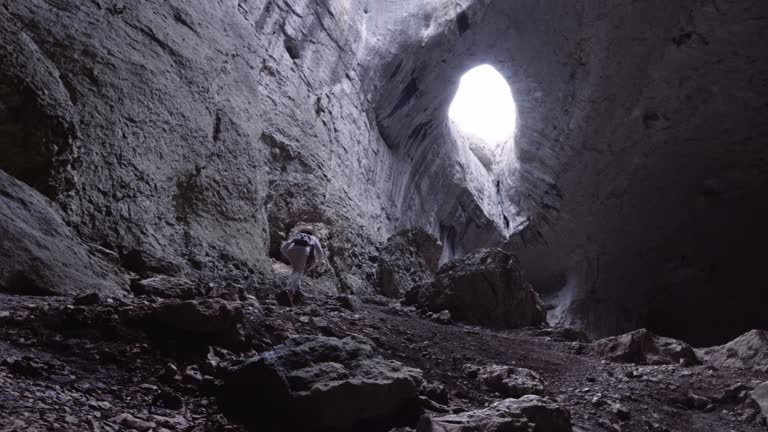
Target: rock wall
[(201, 130), (203, 133), (631, 190)]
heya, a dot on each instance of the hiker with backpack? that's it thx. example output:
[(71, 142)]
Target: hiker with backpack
[(303, 251)]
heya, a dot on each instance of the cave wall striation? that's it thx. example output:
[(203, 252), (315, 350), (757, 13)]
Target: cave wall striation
[(204, 132)]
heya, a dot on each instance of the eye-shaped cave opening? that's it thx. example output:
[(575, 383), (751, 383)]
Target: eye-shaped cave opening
[(483, 114)]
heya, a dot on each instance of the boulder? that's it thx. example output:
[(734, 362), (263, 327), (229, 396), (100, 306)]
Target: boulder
[(485, 287), (747, 351), (166, 287), (213, 321), (409, 258), (316, 383), (760, 396), (509, 381), (40, 254), (644, 347), (528, 414)]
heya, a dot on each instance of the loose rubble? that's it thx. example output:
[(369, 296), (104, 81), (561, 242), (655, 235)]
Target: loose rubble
[(529, 413), (507, 380), (335, 363)]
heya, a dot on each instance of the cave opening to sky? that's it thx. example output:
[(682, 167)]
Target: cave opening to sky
[(484, 111)]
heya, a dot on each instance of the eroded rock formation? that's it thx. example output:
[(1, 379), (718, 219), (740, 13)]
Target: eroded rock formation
[(39, 253), (486, 287), (408, 259), (203, 133)]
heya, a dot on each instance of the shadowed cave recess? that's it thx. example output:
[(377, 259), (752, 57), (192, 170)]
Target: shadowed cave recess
[(193, 136)]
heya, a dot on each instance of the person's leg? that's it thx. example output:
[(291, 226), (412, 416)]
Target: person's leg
[(297, 255), (294, 281)]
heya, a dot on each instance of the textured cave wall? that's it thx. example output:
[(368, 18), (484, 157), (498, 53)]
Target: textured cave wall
[(639, 166), (205, 130), (661, 223)]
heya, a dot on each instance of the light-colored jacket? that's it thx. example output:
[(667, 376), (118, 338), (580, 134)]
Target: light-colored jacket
[(314, 244)]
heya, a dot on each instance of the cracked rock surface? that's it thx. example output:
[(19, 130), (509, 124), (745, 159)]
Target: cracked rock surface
[(205, 133)]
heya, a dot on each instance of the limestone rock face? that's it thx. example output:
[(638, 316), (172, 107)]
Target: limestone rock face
[(198, 132), (409, 258), (747, 351), (316, 383), (485, 287), (40, 254), (527, 414), (644, 347)]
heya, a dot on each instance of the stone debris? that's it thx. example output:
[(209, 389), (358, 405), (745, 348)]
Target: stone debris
[(350, 303), (562, 334), (526, 414), (126, 370), (442, 317), (508, 381)]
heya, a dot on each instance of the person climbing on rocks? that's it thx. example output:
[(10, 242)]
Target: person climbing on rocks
[(303, 251)]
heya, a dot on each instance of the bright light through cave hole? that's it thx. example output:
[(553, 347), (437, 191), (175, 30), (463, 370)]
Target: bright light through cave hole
[(484, 107)]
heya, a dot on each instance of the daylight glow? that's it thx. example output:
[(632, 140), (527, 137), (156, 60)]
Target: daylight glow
[(483, 106)]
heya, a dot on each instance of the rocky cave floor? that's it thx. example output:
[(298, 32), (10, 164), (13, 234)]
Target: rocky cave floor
[(103, 365)]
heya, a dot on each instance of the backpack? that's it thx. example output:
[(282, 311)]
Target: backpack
[(302, 239)]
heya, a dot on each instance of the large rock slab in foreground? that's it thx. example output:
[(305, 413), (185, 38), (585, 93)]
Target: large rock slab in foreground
[(39, 253), (747, 351), (527, 414), (644, 347), (409, 258), (487, 288), (316, 383)]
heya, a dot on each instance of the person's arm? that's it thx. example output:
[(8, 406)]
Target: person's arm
[(318, 250), (285, 246)]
